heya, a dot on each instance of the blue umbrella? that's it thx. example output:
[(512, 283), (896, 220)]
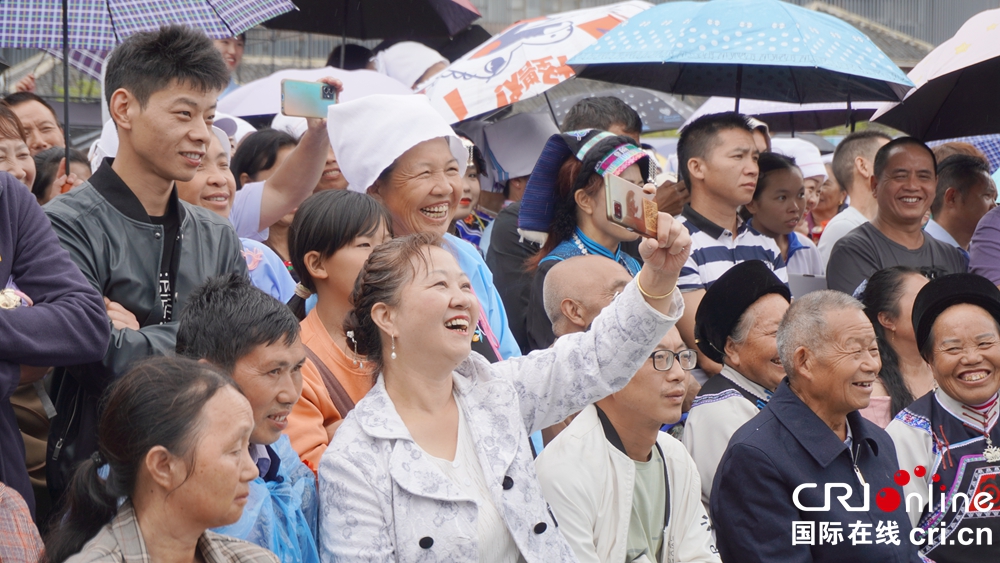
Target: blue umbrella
[(761, 49)]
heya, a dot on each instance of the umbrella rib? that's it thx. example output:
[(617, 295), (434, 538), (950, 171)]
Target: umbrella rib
[(232, 33), (111, 18)]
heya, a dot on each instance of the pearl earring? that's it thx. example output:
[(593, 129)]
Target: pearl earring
[(393, 355)]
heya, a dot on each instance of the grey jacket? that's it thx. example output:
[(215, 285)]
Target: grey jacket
[(117, 247), (383, 499)]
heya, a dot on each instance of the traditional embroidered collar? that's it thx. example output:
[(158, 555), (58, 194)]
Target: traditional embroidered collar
[(981, 418)]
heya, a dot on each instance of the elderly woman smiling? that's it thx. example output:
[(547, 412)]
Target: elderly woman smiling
[(953, 431), (403, 153), (434, 463)]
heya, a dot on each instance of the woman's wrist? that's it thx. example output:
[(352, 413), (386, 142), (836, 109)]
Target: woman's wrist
[(654, 286)]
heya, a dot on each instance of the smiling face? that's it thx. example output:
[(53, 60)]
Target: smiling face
[(757, 356), (830, 196), (470, 193), (906, 187), (422, 190), (213, 186), (780, 205), (15, 158), (271, 378), (437, 313), (331, 179), (657, 395), (231, 50), (845, 367), (966, 354), (730, 169), (170, 135), (40, 125), (217, 488)]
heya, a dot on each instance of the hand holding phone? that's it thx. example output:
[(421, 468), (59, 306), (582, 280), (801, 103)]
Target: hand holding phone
[(301, 98), (628, 207)]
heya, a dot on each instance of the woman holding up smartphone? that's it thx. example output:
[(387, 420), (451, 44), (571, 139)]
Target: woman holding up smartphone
[(565, 198)]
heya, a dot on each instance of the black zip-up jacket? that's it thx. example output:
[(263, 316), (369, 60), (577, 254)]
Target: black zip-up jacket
[(118, 248)]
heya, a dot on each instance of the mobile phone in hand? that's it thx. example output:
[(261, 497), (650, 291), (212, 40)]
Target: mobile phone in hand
[(301, 98)]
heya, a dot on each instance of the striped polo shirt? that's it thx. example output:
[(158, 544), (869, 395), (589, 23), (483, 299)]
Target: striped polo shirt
[(714, 250)]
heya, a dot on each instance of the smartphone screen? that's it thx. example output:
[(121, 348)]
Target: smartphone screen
[(628, 207), (306, 99)]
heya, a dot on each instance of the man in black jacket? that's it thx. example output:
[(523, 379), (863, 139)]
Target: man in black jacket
[(140, 246), (808, 479)]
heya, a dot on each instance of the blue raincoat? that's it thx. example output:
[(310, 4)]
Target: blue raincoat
[(282, 515)]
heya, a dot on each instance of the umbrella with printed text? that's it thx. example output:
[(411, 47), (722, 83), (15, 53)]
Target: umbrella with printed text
[(99, 25), (524, 60), (956, 86), (760, 49)]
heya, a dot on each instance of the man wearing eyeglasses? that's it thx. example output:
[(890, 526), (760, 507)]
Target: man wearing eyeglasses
[(622, 490), (736, 326)]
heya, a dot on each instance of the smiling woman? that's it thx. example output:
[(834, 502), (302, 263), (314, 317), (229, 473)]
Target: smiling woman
[(15, 157), (400, 150), (442, 425), (954, 428)]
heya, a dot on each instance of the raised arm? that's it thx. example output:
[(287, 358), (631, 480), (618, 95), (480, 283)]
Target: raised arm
[(299, 174), (585, 367)]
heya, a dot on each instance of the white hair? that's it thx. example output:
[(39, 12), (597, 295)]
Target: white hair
[(805, 323)]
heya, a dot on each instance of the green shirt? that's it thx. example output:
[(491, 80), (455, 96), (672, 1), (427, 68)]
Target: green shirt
[(645, 527)]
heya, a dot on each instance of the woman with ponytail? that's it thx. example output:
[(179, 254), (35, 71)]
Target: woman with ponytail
[(564, 209), (332, 235), (175, 435), (888, 297)]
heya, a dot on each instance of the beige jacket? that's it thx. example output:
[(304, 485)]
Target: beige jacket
[(589, 483)]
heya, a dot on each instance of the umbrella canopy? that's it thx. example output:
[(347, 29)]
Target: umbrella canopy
[(87, 62), (263, 96), (101, 24), (762, 49), (377, 19), (659, 111), (956, 86), (524, 60), (785, 117)]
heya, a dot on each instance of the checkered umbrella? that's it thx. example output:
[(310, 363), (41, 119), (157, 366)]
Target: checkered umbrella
[(101, 24), (84, 60)]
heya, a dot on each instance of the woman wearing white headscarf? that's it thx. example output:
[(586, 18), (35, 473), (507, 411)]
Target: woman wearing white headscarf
[(402, 152)]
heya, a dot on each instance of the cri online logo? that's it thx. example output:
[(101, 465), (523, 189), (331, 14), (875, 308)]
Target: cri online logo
[(887, 499)]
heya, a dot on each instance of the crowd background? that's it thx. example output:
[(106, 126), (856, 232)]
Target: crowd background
[(420, 328)]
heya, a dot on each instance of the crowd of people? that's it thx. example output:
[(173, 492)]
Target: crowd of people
[(376, 337)]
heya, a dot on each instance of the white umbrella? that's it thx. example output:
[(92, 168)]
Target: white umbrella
[(521, 61), (784, 116), (263, 96), (956, 86)]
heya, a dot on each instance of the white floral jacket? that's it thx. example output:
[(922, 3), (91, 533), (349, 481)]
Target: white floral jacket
[(383, 499)]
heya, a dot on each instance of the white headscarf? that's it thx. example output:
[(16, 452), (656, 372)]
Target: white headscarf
[(806, 155), (407, 61), (369, 134)]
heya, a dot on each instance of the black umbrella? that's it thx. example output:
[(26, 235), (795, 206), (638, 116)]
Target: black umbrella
[(376, 19)]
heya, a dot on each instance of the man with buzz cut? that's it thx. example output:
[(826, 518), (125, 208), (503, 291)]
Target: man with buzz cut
[(717, 158), (136, 243)]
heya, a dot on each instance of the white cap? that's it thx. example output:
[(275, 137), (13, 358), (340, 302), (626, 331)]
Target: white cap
[(806, 155), (370, 133)]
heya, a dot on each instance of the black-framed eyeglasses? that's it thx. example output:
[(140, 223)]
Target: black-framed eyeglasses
[(663, 360)]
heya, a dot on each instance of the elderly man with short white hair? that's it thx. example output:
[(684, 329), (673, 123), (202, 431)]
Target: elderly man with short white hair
[(774, 473)]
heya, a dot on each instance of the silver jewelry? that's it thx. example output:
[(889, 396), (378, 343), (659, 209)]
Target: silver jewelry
[(393, 355), (357, 363)]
